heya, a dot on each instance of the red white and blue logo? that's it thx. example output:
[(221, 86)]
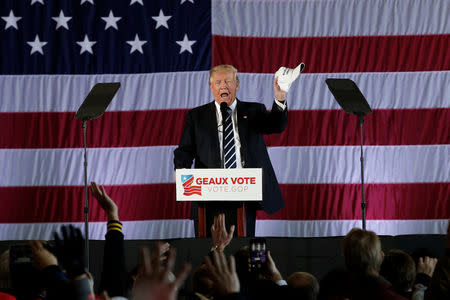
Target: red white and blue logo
[(190, 189)]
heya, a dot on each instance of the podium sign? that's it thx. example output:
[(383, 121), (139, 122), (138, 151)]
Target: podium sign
[(219, 184)]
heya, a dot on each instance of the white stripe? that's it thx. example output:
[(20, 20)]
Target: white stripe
[(64, 93), (226, 146), (167, 229), (321, 228), (228, 135), (341, 164), (133, 230), (381, 90), (145, 165), (302, 18), (228, 160)]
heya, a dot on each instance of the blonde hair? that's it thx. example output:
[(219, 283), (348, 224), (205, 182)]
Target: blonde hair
[(362, 251), (223, 69)]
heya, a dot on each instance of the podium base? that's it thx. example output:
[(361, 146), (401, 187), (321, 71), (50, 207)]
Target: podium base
[(242, 215)]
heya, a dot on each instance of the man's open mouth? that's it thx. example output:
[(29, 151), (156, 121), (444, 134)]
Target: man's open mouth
[(224, 95)]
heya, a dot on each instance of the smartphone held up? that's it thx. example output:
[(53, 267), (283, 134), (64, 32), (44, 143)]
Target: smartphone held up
[(258, 255)]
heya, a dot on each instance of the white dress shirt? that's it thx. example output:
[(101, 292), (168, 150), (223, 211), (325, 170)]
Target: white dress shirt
[(237, 141)]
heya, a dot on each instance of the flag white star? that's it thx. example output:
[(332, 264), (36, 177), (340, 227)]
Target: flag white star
[(61, 20), (136, 1), (11, 20), (161, 20), (182, 1), (186, 44), (111, 21), (89, 1), (86, 45), (136, 44), (36, 45), (37, 1)]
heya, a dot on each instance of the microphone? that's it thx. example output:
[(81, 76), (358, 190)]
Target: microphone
[(223, 110), (223, 107)]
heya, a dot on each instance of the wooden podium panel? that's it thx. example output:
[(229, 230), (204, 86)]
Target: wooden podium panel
[(240, 218)]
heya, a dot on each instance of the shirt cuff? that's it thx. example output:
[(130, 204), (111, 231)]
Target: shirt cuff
[(282, 105), (114, 225)]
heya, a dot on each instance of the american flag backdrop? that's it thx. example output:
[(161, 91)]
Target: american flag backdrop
[(52, 52)]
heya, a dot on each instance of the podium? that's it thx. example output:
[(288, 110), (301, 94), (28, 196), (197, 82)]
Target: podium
[(207, 186)]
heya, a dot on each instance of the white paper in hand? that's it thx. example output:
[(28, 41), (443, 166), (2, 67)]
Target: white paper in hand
[(287, 76)]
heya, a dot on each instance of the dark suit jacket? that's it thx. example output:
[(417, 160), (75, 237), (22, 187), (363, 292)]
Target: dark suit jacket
[(200, 142)]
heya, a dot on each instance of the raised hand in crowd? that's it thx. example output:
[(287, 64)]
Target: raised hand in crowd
[(105, 201), (426, 265), (223, 274), (271, 272), (42, 258), (153, 279), (70, 250), (440, 282), (221, 238)]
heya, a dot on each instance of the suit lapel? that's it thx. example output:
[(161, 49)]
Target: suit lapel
[(242, 120), (211, 124)]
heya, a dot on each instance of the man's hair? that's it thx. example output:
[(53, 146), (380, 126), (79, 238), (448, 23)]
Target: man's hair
[(362, 251), (223, 69), (399, 269), (303, 286)]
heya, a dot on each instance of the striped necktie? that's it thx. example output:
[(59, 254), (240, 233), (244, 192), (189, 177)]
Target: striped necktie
[(228, 141)]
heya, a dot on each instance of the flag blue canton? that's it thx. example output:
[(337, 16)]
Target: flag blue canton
[(185, 178), (104, 36)]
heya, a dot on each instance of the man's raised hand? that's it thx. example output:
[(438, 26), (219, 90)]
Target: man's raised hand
[(105, 201), (221, 238), (279, 94)]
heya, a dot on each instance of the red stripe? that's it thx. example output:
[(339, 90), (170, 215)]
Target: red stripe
[(194, 188), (65, 203), (164, 127), (188, 182), (382, 127), (334, 54), (157, 201), (404, 201), (193, 193)]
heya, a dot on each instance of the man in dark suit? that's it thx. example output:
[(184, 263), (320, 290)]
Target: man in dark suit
[(202, 137)]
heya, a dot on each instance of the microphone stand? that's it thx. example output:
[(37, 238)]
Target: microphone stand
[(86, 198), (363, 201)]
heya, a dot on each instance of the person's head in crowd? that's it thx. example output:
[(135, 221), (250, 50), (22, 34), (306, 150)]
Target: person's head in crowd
[(399, 269), (224, 83), (5, 275), (362, 252), (202, 282), (303, 286)]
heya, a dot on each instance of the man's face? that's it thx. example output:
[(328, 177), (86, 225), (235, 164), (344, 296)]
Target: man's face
[(223, 87)]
